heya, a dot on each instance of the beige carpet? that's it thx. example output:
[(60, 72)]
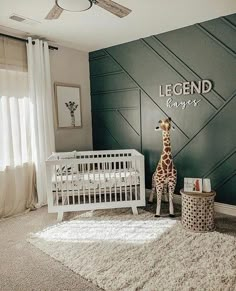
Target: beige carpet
[(24, 267), (119, 251)]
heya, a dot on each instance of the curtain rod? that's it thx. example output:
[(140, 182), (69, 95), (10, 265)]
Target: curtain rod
[(25, 40)]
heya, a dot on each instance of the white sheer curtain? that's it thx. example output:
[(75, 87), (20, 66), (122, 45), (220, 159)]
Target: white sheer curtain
[(41, 97), (16, 165)]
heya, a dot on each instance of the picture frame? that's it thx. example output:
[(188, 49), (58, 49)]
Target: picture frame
[(68, 105), (193, 185)]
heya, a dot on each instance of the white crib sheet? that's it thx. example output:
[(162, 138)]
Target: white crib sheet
[(95, 180)]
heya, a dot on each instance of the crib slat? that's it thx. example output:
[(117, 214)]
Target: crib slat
[(89, 194), (136, 180), (99, 178), (130, 181), (62, 192), (105, 183), (109, 170), (120, 183), (55, 175), (115, 177), (83, 188), (72, 185), (94, 184), (77, 183), (125, 179), (67, 182)]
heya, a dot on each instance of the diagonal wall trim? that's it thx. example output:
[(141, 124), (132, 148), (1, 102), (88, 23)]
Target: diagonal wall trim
[(144, 91), (114, 109), (114, 91), (209, 120), (204, 30), (229, 23), (219, 164), (118, 111), (188, 69), (160, 57), (109, 131), (106, 74), (98, 57), (225, 180), (169, 65)]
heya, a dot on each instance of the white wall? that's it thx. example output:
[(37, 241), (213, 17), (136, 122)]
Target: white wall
[(71, 66)]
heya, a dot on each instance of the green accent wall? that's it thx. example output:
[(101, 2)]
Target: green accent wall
[(126, 105)]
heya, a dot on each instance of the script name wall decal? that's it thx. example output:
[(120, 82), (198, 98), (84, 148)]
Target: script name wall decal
[(184, 88)]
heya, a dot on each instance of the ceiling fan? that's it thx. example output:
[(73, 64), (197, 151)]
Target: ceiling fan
[(83, 5)]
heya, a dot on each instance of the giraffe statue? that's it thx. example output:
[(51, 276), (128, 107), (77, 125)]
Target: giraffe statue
[(165, 174), (72, 107)]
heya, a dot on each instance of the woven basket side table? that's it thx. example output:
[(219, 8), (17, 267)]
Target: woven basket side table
[(198, 211)]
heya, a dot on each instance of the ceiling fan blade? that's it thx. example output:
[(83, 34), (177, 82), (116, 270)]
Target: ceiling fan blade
[(113, 7), (54, 13)]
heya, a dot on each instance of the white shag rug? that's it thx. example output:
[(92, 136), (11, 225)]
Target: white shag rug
[(118, 251)]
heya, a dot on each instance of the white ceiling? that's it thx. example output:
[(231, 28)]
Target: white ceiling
[(96, 28)]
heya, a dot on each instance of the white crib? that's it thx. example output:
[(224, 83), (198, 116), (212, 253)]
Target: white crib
[(92, 180)]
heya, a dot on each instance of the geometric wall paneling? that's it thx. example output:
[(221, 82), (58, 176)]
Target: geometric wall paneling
[(226, 192), (222, 171), (102, 138), (231, 18), (205, 56), (120, 129), (150, 70), (132, 117), (116, 100), (96, 55), (211, 145), (184, 72), (126, 102), (222, 31), (103, 65), (146, 70), (108, 82)]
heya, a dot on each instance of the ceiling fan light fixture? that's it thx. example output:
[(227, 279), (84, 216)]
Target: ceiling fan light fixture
[(74, 5)]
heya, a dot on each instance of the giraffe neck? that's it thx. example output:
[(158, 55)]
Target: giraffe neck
[(166, 141)]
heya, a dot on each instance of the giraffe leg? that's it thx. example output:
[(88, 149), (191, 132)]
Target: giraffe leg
[(150, 200), (159, 189), (171, 185), (165, 193)]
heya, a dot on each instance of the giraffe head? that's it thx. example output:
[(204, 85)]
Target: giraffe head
[(165, 125)]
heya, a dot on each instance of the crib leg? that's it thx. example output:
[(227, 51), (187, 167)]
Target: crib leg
[(134, 210), (60, 216)]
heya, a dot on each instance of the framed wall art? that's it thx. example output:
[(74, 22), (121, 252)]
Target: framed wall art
[(192, 185), (68, 105)]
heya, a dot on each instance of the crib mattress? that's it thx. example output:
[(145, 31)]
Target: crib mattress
[(95, 180)]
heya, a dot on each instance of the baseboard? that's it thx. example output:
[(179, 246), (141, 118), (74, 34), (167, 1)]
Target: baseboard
[(219, 207), (225, 208)]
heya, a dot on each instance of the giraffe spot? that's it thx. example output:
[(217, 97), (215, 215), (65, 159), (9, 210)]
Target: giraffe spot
[(165, 156), (164, 166)]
